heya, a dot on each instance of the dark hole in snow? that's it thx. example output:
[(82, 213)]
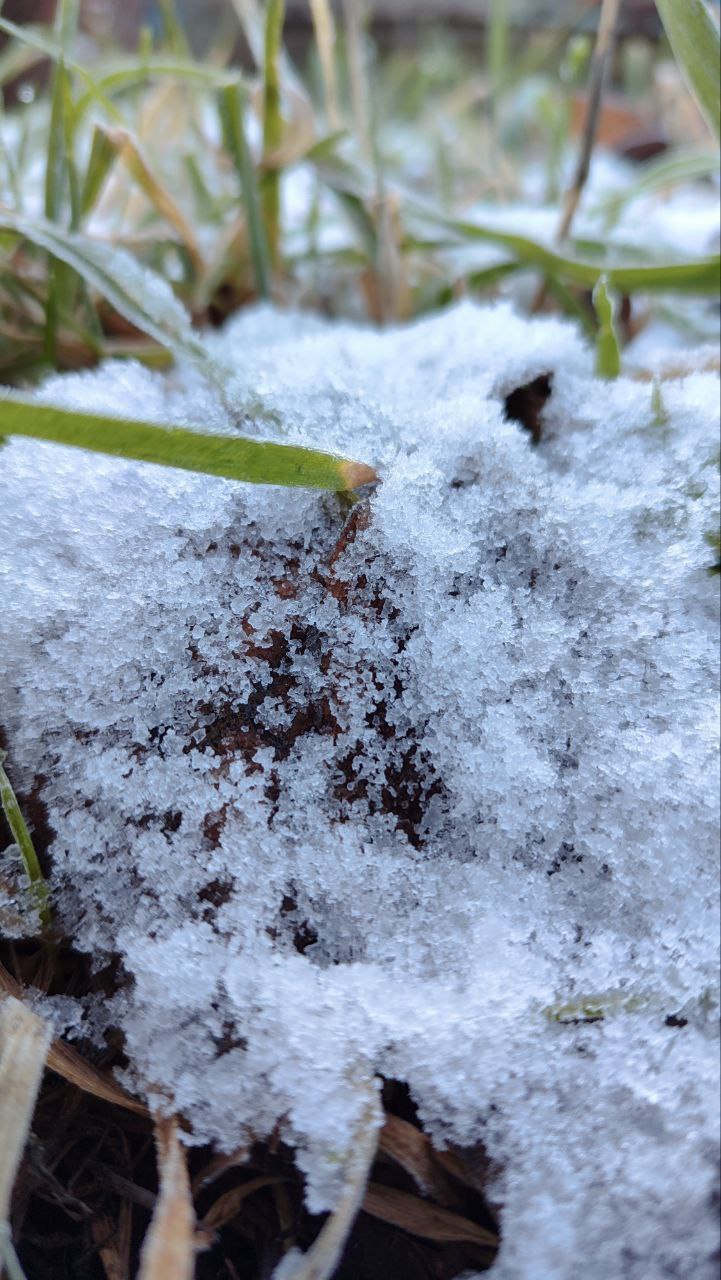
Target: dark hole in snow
[(304, 934), (525, 404), (407, 784)]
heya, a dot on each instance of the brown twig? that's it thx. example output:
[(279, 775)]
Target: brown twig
[(597, 83)]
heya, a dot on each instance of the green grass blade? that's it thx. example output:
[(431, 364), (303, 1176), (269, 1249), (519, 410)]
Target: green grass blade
[(16, 59), (136, 292), (55, 180), (136, 74), (66, 22), (696, 275), (55, 167), (272, 126), (61, 181), (608, 355), (694, 39), (233, 457), (101, 160), (173, 32), (497, 38), (45, 45), (23, 840), (231, 108)]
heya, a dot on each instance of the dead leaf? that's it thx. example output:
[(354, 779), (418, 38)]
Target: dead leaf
[(422, 1218), (113, 1242), (227, 1206), (412, 1150), (69, 1064), (217, 1165)]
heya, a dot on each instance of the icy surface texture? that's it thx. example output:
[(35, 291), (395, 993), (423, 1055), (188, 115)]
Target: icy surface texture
[(379, 791)]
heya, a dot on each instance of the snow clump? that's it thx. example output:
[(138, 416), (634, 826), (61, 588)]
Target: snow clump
[(404, 789)]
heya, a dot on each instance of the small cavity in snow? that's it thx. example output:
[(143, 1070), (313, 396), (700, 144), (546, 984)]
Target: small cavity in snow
[(371, 793)]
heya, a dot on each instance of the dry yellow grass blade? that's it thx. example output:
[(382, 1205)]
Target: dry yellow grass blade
[(24, 1043), (411, 1149), (69, 1064), (228, 1205), (137, 165), (113, 1242), (168, 1251)]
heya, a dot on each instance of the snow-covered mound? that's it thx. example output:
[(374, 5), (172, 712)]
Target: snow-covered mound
[(414, 789)]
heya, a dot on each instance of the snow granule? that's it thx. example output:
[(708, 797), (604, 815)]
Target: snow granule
[(399, 790)]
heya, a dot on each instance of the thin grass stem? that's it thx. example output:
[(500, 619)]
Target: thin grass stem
[(232, 112), (23, 840)]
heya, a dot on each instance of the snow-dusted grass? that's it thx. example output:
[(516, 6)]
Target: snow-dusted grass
[(418, 790)]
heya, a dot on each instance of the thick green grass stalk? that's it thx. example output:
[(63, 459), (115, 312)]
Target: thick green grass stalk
[(233, 457), (232, 116), (272, 127), (23, 840)]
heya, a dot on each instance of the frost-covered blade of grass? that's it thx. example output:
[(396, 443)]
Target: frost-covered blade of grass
[(141, 296), (232, 457)]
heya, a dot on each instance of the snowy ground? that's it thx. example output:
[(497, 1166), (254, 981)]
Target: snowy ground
[(378, 793)]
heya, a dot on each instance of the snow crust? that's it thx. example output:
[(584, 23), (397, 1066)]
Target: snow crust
[(400, 790)]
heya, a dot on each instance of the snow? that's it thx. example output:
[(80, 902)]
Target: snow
[(398, 791)]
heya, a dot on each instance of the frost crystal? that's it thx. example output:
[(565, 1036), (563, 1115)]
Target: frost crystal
[(427, 789)]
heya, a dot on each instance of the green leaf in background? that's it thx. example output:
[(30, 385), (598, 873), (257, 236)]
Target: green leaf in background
[(694, 38), (608, 355), (23, 840), (233, 457)]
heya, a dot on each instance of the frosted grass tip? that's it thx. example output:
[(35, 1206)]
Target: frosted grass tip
[(356, 474)]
